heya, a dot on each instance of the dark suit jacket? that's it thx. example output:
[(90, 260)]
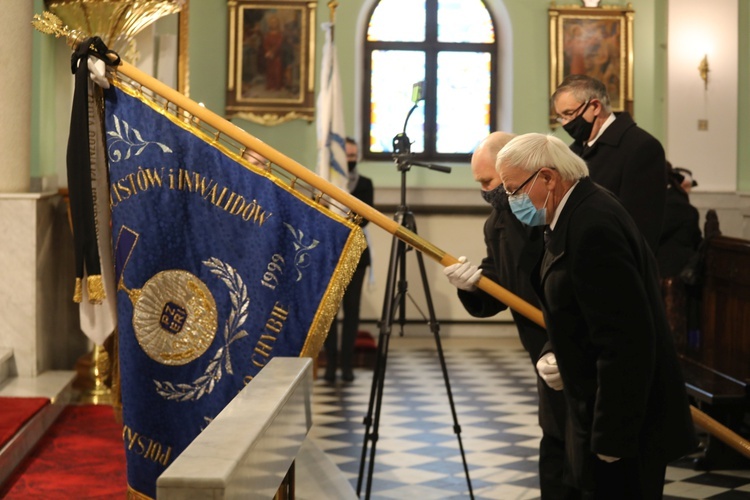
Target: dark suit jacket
[(605, 317), (630, 162), (513, 249), (364, 191)]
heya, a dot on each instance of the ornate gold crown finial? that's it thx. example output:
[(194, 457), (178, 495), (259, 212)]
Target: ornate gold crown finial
[(116, 22), (50, 24)]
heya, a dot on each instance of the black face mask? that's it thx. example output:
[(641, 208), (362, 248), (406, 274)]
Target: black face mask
[(578, 128), (352, 165), (496, 197)]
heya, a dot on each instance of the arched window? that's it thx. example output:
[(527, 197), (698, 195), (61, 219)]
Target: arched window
[(451, 46)]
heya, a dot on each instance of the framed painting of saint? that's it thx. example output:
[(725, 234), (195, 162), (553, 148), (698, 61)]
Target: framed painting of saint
[(271, 60), (597, 42)]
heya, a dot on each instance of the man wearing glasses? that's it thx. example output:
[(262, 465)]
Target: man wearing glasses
[(598, 286), (513, 249), (622, 157)]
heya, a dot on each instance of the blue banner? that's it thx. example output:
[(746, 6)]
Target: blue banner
[(220, 267)]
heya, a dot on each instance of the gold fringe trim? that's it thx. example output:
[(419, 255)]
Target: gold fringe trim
[(78, 292), (329, 306), (137, 495), (95, 289)]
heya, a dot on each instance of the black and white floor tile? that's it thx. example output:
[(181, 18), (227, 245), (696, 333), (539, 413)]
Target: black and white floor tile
[(494, 394)]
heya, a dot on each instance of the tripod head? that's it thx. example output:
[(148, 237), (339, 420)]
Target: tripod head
[(402, 154)]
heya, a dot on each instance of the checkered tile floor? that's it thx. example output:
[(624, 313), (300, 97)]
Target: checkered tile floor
[(417, 454)]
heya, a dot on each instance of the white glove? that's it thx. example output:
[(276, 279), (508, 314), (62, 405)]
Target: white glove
[(548, 370), (97, 71), (607, 459), (463, 275)]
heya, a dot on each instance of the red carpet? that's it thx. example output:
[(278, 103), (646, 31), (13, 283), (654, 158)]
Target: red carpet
[(14, 413), (81, 456)]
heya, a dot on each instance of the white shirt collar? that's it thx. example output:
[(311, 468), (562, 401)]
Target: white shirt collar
[(561, 205), (606, 124)]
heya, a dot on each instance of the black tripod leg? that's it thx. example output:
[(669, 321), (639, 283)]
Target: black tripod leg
[(378, 378), (435, 328)]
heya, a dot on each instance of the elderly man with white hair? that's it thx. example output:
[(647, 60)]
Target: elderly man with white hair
[(598, 286)]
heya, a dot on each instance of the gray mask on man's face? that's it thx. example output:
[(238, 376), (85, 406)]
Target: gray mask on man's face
[(497, 197)]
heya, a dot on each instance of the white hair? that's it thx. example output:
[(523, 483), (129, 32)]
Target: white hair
[(531, 152)]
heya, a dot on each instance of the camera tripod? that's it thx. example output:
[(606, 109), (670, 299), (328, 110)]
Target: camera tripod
[(395, 298)]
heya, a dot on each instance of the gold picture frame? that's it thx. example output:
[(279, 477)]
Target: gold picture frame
[(597, 42), (271, 76)]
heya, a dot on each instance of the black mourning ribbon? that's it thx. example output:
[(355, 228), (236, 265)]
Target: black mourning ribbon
[(80, 187)]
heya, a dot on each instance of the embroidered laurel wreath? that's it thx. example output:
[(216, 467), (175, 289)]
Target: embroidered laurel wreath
[(232, 331)]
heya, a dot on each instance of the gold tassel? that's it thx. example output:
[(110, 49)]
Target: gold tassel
[(95, 288), (78, 293)]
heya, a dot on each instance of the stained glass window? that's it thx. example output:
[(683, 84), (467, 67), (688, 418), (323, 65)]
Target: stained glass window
[(450, 46), (397, 21), (464, 21)]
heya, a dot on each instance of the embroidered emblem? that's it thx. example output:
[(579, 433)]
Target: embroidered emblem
[(174, 317), (232, 331)]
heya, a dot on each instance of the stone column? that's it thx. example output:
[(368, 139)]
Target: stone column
[(15, 95)]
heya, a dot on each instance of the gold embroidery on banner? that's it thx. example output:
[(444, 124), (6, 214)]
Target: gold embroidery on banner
[(238, 315), (174, 317), (146, 447), (329, 306), (137, 495), (271, 332)]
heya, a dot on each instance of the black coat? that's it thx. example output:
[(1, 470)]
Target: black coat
[(680, 235), (364, 192), (605, 317), (513, 249), (630, 162)]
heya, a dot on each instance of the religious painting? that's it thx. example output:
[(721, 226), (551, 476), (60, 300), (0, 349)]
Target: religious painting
[(597, 42), (271, 76)]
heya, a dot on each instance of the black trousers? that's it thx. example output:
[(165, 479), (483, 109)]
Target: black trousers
[(639, 478), (350, 325), (552, 468)]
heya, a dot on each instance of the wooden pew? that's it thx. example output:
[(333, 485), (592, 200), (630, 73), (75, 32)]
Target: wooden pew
[(715, 356)]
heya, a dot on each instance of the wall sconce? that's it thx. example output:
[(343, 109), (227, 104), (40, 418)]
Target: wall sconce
[(703, 71)]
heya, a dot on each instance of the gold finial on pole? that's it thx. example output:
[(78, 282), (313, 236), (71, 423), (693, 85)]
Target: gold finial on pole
[(50, 24), (332, 4)]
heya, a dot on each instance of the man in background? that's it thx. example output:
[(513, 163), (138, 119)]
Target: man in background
[(621, 157), (361, 188), (512, 251)]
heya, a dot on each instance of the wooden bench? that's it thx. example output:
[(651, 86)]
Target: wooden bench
[(715, 357), (725, 400)]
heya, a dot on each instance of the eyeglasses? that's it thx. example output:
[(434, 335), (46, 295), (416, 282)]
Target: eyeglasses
[(568, 115), (513, 193)]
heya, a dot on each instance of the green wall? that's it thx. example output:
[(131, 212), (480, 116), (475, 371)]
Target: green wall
[(530, 82), (529, 21), (743, 99), (42, 102)]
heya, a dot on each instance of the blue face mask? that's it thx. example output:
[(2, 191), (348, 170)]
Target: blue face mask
[(526, 212)]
